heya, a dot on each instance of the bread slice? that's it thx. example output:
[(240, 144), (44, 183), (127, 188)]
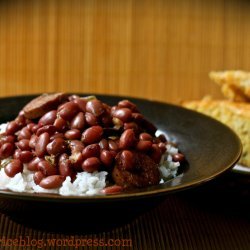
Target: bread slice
[(235, 84), (234, 114)]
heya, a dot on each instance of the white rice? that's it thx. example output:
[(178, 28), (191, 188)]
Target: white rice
[(85, 184)]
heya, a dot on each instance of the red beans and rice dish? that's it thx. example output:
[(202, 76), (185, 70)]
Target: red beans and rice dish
[(75, 145)]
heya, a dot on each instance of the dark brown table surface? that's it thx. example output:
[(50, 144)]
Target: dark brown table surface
[(213, 216)]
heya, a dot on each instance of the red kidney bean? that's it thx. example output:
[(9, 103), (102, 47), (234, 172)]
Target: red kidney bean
[(112, 189), (33, 141), (113, 145), (127, 160), (78, 121), (57, 135), (38, 176), (57, 146), (6, 150), (95, 107), (130, 125), (48, 118), (127, 104), (35, 128), (50, 129), (53, 181), (61, 106), (178, 157), (24, 134), (30, 126), (25, 156), (92, 135), (13, 168), (73, 134), (81, 103), (23, 144), (144, 146), (137, 117), (106, 158), (17, 153), (91, 119), (20, 120), (41, 144), (162, 147), (76, 146), (68, 111), (8, 138), (124, 114), (65, 166), (76, 159), (12, 128), (60, 124), (33, 164), (92, 150), (155, 153), (145, 137), (47, 168), (91, 164), (127, 139), (104, 144)]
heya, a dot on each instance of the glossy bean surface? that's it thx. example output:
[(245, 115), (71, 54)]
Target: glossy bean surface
[(107, 158), (73, 134), (42, 142), (6, 150), (78, 122), (124, 114), (49, 118), (33, 164), (13, 168), (112, 189), (92, 150), (38, 176), (25, 156), (95, 107), (91, 164), (68, 111), (92, 135), (47, 168), (127, 139), (53, 181), (23, 144), (127, 159), (57, 146)]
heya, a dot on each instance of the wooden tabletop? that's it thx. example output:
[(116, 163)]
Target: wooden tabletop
[(212, 216)]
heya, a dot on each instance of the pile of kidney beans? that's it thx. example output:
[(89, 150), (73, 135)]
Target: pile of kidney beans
[(82, 134)]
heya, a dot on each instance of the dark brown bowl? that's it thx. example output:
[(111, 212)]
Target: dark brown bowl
[(210, 148)]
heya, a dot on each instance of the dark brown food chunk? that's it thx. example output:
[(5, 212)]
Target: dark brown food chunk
[(42, 104), (144, 173)]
